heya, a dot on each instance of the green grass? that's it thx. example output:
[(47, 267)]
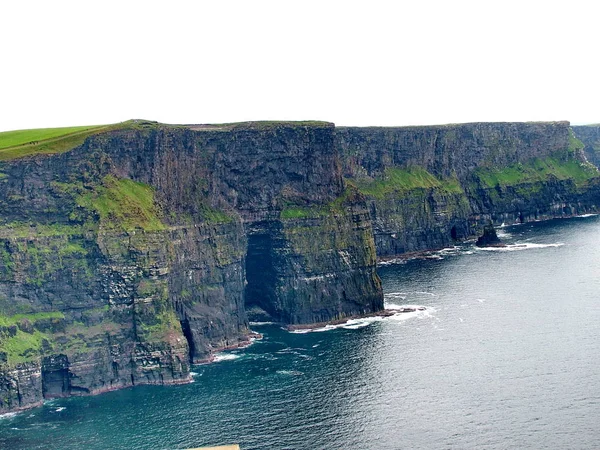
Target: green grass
[(535, 171), (213, 215), (574, 143), (21, 143), (300, 212), (23, 346), (397, 180), (20, 137), (18, 144), (32, 317), (123, 204)]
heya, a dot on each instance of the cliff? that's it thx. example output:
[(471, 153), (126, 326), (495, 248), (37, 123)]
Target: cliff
[(137, 252), (428, 187), (129, 252), (589, 135)]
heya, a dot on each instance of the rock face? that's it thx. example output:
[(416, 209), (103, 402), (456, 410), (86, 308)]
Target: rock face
[(590, 136), (428, 187), (489, 238), (134, 254)]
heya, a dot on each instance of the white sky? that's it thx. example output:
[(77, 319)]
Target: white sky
[(353, 63)]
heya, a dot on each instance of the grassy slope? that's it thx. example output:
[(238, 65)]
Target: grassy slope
[(398, 181), (21, 143), (537, 170), (20, 137), (18, 144)]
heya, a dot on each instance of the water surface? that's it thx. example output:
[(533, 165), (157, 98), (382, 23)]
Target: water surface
[(505, 356)]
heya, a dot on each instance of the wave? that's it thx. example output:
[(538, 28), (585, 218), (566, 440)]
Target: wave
[(503, 234), (419, 311), (518, 247), (295, 373), (404, 312), (389, 262), (8, 415), (225, 357)]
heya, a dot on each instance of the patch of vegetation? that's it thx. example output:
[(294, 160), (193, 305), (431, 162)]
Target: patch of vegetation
[(294, 211), (213, 215), (20, 137), (32, 317), (23, 347), (535, 171), (299, 212), (123, 204), (396, 180), (25, 229), (575, 144), (21, 143), (18, 144)]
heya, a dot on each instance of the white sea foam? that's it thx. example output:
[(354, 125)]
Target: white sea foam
[(395, 295), (261, 323), (8, 415), (393, 306), (295, 373), (61, 408), (225, 357), (194, 374), (419, 312), (302, 331), (389, 262), (586, 215), (518, 247), (503, 234)]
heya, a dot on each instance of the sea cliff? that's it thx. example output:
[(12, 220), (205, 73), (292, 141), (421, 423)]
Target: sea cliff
[(130, 252), (428, 187), (137, 252)]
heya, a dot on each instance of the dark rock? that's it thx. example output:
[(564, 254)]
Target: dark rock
[(489, 238)]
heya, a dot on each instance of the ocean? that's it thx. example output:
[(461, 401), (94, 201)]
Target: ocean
[(504, 355)]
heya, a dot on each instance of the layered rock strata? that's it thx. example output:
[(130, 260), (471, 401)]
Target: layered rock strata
[(133, 255), (428, 187)]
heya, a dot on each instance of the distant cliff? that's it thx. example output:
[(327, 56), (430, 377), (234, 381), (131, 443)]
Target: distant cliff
[(129, 252), (589, 135), (428, 187)]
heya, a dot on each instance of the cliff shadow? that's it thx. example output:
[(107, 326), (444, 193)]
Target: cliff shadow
[(261, 274)]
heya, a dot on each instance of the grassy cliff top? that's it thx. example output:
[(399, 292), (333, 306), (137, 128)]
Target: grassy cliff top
[(45, 141), (21, 143)]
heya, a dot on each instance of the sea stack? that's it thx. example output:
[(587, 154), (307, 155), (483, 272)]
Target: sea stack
[(489, 238)]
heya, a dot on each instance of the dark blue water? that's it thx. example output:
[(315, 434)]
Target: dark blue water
[(506, 356)]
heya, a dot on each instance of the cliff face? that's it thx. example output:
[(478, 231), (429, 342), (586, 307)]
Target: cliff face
[(147, 247), (131, 256), (590, 136), (430, 186)]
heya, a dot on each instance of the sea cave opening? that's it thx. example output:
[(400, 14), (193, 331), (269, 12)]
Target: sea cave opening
[(261, 276)]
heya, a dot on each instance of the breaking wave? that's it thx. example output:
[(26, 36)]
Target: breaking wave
[(225, 357), (518, 247)]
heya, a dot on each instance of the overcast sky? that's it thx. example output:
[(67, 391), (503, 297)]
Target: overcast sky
[(352, 63)]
